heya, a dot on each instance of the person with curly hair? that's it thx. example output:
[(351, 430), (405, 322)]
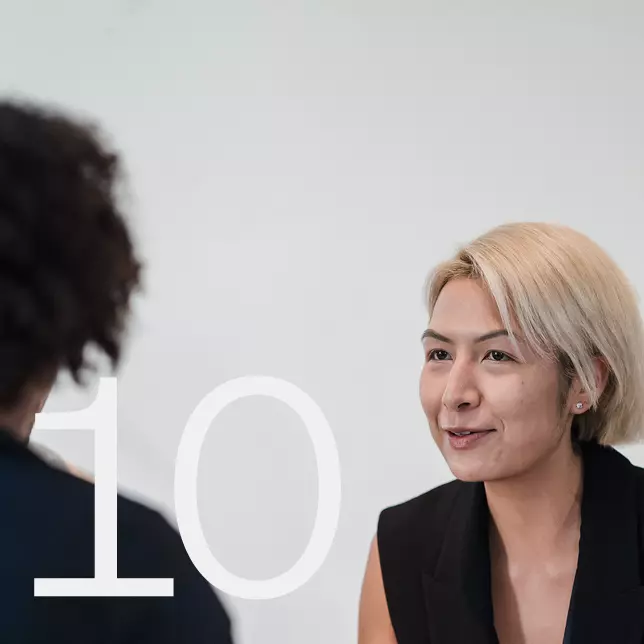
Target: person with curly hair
[(68, 271)]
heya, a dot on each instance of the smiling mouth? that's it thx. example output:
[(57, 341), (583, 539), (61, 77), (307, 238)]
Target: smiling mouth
[(469, 432), (465, 439)]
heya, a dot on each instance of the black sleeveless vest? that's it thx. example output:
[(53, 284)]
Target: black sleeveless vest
[(434, 556)]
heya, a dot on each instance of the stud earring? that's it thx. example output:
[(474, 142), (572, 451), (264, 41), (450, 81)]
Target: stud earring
[(579, 405)]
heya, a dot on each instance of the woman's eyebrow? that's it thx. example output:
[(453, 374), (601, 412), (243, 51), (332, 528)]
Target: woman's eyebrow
[(430, 333)]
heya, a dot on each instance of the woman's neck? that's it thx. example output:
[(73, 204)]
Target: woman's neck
[(538, 515)]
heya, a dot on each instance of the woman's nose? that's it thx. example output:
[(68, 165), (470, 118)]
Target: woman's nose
[(461, 389)]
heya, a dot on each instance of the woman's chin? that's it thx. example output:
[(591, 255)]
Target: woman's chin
[(469, 476), (471, 470)]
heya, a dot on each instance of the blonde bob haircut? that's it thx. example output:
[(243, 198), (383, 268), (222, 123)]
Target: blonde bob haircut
[(571, 303)]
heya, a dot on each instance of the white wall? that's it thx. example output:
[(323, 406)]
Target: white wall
[(297, 168)]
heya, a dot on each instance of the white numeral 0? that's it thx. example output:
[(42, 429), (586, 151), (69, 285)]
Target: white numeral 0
[(329, 488)]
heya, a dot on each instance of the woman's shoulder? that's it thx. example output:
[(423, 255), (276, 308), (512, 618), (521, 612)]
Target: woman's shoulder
[(421, 516), (638, 473), (411, 534), (608, 461)]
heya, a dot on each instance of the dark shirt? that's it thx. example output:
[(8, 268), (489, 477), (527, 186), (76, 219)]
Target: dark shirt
[(47, 530)]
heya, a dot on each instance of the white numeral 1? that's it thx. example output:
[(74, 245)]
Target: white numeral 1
[(101, 417), (329, 490)]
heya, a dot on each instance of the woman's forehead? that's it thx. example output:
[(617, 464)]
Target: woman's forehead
[(466, 302)]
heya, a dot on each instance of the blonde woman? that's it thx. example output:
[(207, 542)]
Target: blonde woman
[(534, 370)]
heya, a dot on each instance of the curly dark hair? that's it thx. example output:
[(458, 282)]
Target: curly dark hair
[(67, 262)]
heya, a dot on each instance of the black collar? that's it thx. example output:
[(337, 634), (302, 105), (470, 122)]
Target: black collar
[(608, 598), (8, 440)]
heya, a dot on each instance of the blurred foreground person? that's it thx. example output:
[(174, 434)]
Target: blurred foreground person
[(67, 274), (534, 370)]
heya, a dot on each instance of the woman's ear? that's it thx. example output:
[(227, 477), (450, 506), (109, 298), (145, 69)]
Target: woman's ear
[(601, 375), (579, 400)]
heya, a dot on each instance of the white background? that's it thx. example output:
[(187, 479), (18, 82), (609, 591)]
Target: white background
[(296, 169)]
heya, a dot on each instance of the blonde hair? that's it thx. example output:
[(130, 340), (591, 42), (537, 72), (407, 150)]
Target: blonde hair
[(571, 303)]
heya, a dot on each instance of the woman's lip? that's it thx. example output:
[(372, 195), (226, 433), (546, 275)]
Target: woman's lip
[(468, 441)]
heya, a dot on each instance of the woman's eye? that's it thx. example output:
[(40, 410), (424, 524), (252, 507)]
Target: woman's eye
[(498, 356), (437, 355)]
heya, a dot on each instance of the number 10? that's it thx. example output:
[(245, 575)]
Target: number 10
[(101, 417)]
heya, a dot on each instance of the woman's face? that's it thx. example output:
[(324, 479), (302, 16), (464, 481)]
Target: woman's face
[(473, 380)]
